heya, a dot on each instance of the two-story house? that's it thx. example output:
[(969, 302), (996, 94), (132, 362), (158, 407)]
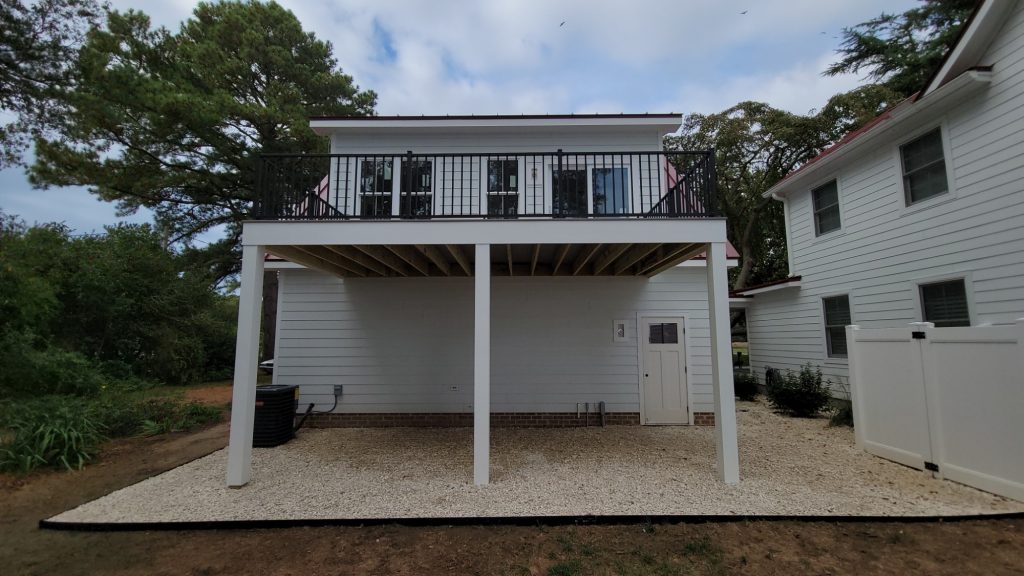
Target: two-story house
[(918, 216), (479, 270)]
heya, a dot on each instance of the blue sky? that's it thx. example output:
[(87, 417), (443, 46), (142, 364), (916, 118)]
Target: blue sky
[(516, 56)]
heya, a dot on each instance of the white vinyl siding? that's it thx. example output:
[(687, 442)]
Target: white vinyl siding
[(887, 251), (406, 344)]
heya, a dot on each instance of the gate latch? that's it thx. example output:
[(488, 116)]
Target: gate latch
[(916, 335)]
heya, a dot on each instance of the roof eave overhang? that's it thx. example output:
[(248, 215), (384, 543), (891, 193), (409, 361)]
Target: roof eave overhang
[(950, 93), (790, 283), (984, 23)]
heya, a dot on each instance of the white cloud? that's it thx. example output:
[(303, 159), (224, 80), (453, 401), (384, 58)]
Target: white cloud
[(798, 89)]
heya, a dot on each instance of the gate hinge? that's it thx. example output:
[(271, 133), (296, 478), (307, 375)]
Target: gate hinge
[(931, 466), (916, 335)]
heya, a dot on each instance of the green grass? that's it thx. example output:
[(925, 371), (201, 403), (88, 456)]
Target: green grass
[(568, 568)]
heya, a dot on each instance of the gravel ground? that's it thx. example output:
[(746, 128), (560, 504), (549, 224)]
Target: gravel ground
[(787, 466)]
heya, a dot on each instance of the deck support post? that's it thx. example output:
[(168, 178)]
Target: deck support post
[(247, 349), (721, 364), (482, 366)]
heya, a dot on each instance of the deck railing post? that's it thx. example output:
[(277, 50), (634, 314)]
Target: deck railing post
[(712, 185)]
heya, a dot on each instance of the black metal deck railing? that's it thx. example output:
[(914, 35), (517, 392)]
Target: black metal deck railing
[(487, 185)]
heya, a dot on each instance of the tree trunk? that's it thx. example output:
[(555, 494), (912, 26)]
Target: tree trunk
[(269, 323)]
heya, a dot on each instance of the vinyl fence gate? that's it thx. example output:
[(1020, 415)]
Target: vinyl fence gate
[(948, 400)]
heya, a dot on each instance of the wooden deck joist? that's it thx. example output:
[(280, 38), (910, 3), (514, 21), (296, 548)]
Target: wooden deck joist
[(361, 261)]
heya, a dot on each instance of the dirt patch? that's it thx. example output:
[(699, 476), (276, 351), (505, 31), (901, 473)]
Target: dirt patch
[(214, 394), (976, 547)]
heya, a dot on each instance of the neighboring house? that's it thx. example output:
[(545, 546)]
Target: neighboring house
[(514, 270), (918, 216)]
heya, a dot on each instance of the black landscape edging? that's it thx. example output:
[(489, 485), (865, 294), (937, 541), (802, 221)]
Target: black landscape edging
[(501, 521)]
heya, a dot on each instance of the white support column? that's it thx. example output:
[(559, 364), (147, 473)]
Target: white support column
[(247, 348), (721, 364), (482, 367)]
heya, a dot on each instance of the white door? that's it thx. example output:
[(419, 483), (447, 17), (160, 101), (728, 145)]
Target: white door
[(664, 370)]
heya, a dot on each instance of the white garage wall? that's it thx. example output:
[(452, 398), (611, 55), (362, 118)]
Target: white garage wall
[(405, 344)]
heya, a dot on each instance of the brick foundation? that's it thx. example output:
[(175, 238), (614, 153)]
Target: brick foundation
[(460, 419), (704, 418), (498, 420)]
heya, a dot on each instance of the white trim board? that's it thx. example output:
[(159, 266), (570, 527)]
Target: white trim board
[(697, 230)]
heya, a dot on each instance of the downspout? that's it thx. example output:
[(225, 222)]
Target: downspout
[(789, 242)]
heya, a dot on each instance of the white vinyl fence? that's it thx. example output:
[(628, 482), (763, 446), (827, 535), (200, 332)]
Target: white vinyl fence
[(950, 400)]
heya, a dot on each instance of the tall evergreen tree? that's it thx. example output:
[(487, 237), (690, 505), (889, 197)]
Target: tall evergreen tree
[(902, 50), (174, 121), (38, 47)]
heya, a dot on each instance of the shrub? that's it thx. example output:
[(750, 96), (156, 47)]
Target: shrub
[(745, 384), (802, 395), (152, 416), (53, 431)]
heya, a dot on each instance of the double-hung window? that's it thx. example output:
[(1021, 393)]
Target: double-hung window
[(945, 303), (837, 317), (924, 167), (826, 208)]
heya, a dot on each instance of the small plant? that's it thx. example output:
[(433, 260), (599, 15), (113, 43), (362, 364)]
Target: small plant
[(842, 408), (55, 431), (802, 395), (701, 546), (745, 385)]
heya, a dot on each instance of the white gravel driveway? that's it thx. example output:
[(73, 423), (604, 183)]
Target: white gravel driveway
[(788, 466)]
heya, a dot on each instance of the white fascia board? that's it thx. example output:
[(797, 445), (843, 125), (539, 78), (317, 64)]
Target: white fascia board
[(327, 126), (739, 302), (409, 232), (950, 93), (986, 23), (702, 263), (282, 265), (773, 288)]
